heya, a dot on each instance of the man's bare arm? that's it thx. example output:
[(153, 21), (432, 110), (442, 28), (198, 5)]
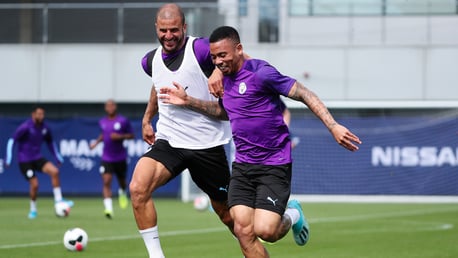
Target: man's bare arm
[(341, 134), (300, 93), (177, 96), (150, 112)]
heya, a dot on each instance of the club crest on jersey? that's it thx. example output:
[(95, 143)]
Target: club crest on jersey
[(43, 131), (242, 88), (117, 126)]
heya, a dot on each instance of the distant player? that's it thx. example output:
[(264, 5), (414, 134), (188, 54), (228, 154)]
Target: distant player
[(29, 137), (115, 129)]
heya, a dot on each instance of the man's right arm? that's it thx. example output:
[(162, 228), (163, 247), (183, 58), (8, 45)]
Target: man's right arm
[(177, 96), (150, 112)]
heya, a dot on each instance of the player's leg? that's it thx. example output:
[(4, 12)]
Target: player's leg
[(270, 226), (244, 230), (121, 174), (210, 171), (29, 174), (50, 169), (242, 198), (273, 217), (33, 193), (148, 175), (107, 178)]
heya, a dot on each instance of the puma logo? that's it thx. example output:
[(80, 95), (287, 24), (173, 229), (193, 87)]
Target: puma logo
[(224, 189), (272, 200)]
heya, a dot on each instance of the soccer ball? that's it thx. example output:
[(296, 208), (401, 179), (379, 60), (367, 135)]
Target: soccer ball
[(201, 202), (62, 209), (75, 239)]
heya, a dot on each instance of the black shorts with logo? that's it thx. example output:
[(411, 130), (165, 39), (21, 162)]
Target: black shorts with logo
[(208, 167), (29, 169), (264, 187), (118, 168)]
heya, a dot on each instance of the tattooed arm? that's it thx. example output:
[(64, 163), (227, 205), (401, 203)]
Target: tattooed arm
[(340, 133), (178, 96)]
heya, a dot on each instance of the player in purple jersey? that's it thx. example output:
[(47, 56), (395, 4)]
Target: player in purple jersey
[(115, 129), (182, 139), (261, 173), (29, 137)]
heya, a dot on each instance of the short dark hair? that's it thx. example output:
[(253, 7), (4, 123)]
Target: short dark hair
[(36, 107), (225, 32)]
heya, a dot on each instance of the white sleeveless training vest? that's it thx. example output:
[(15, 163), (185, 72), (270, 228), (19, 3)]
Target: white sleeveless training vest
[(180, 126)]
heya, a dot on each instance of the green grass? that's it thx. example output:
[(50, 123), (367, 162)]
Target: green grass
[(337, 230)]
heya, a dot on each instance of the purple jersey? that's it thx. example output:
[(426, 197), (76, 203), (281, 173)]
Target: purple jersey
[(253, 104), (114, 151), (29, 138)]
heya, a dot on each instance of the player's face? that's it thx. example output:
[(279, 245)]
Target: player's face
[(227, 56), (110, 108), (171, 34), (38, 115)]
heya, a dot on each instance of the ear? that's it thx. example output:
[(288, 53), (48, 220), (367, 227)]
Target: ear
[(239, 49)]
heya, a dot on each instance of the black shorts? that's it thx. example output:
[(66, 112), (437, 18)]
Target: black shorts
[(260, 186), (208, 167), (29, 169), (118, 168)]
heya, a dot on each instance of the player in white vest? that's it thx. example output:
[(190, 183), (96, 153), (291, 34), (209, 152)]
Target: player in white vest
[(183, 138)]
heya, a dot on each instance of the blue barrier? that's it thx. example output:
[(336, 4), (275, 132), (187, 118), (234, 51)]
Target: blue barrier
[(399, 156)]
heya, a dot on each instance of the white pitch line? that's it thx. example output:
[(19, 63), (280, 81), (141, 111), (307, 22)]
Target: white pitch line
[(113, 238), (210, 230), (382, 215)]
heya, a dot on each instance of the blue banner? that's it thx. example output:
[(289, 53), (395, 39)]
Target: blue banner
[(399, 156), (79, 174)]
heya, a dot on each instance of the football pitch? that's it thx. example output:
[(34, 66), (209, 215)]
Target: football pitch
[(337, 230)]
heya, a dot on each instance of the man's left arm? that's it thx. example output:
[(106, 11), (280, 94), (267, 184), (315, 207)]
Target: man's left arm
[(52, 146), (341, 134)]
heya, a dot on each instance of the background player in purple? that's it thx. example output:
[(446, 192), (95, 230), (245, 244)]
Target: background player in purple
[(115, 129), (261, 173), (29, 137)]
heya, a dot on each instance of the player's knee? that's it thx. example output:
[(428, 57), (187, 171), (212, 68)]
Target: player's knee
[(139, 191), (243, 231), (266, 233)]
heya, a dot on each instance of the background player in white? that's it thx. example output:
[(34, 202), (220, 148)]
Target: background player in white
[(184, 138), (115, 129), (29, 137)]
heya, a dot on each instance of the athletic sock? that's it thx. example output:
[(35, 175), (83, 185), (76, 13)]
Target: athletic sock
[(121, 191), (57, 194), (151, 238), (293, 214), (33, 205), (108, 203)]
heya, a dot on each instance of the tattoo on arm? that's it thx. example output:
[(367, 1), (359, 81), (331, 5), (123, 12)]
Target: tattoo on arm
[(209, 108), (300, 93)]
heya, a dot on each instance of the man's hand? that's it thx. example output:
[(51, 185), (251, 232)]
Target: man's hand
[(148, 133), (345, 138), (116, 136), (173, 95), (215, 83)]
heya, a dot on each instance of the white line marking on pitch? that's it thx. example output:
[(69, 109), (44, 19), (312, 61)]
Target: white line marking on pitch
[(111, 238), (210, 230)]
